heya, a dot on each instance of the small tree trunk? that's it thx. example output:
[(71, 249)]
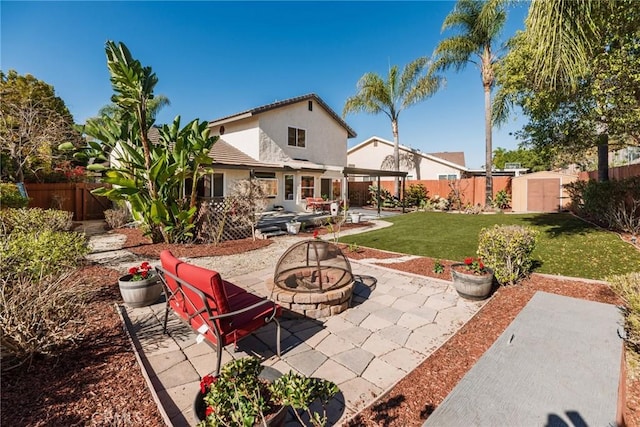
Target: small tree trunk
[(603, 157)]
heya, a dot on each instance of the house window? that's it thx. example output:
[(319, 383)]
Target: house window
[(289, 188), (269, 182), (306, 186), (449, 177), (297, 137), (213, 186)]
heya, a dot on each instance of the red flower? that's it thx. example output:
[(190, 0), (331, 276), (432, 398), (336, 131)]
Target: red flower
[(206, 381), (480, 265), (468, 261), (208, 411), (315, 234), (140, 272)]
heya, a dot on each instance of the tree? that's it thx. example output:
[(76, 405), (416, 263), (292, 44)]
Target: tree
[(527, 158), (575, 71), (150, 176), (479, 23), (33, 122), (376, 95)]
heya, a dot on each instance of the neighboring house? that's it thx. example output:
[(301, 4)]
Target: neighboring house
[(377, 153), (298, 147)]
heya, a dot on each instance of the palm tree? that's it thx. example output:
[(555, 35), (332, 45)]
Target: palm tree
[(564, 36), (375, 95), (479, 24)]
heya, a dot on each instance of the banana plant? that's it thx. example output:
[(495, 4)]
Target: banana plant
[(149, 175)]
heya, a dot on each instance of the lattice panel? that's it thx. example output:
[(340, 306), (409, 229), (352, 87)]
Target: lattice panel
[(223, 219)]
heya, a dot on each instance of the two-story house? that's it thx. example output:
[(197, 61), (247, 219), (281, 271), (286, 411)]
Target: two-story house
[(298, 147)]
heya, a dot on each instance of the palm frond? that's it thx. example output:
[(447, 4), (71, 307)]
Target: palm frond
[(563, 34)]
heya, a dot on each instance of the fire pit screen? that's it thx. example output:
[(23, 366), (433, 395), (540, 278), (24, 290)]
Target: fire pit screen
[(313, 266), (313, 278)]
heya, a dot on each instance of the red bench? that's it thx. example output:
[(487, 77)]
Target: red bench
[(219, 310)]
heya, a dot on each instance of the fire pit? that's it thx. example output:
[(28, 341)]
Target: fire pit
[(313, 278)]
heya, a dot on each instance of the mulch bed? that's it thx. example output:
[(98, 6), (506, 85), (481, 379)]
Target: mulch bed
[(98, 382)]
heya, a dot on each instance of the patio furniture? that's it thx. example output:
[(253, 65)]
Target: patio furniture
[(219, 311), (318, 204)]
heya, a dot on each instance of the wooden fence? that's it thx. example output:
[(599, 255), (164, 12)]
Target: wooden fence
[(74, 197), (619, 172), (471, 189)]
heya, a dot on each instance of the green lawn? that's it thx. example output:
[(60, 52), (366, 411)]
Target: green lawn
[(566, 245)]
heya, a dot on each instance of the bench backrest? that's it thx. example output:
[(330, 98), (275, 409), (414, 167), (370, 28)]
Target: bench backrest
[(206, 281)]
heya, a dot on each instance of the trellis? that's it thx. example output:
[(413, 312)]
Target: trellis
[(225, 218)]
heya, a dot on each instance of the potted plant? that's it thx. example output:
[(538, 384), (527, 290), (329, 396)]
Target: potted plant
[(355, 217), (317, 248), (293, 227), (472, 279), (246, 393), (140, 287)]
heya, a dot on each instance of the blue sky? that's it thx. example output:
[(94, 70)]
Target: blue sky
[(218, 58)]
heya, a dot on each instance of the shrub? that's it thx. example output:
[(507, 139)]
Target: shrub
[(386, 198), (613, 204), (38, 316), (34, 219), (502, 200), (439, 203), (118, 217), (10, 196), (628, 287), (35, 254), (507, 250), (415, 195)]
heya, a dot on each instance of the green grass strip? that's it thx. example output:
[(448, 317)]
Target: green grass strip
[(566, 244)]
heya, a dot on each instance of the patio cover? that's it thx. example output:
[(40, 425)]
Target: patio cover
[(377, 173)]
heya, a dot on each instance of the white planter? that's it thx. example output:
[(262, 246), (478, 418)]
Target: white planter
[(293, 227), (140, 293), (355, 217)]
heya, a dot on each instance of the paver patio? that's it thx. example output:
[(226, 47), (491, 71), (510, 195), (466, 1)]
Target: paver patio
[(396, 320)]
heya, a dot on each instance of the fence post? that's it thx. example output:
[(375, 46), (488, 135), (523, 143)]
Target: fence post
[(78, 205)]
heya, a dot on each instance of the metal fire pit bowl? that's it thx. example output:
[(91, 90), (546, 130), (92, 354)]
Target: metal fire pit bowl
[(313, 278)]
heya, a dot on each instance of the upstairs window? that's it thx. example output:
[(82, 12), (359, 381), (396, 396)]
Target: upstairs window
[(297, 137)]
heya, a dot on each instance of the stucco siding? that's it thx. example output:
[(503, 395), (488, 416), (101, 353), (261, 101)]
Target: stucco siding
[(243, 135), (326, 140), (372, 156)]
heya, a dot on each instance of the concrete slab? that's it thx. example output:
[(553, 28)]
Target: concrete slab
[(557, 364)]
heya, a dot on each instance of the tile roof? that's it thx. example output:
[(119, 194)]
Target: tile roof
[(456, 157), (290, 101), (225, 154)]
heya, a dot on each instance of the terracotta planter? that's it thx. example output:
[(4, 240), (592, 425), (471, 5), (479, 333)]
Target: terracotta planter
[(140, 293), (471, 286), (276, 419)]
